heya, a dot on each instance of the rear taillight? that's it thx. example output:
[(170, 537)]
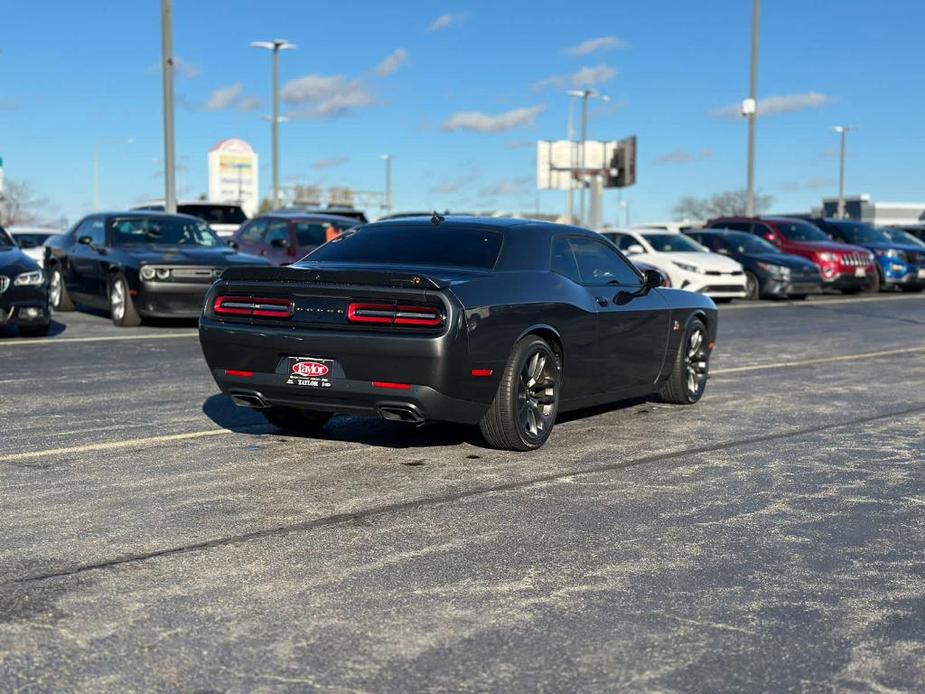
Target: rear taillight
[(389, 314), (251, 306)]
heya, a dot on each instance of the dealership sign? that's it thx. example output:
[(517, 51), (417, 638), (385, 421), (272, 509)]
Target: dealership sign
[(233, 175)]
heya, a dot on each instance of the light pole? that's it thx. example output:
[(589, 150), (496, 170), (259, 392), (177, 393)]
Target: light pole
[(96, 166), (570, 135), (387, 204), (275, 46), (170, 186), (585, 94), (842, 131), (752, 111)]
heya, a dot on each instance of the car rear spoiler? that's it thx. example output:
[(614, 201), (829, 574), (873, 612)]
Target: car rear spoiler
[(375, 278)]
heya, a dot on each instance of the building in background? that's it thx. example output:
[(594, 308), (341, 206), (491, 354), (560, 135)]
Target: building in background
[(862, 208), (233, 175)]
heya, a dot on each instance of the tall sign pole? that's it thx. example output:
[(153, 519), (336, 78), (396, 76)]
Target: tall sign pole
[(753, 112), (170, 187)]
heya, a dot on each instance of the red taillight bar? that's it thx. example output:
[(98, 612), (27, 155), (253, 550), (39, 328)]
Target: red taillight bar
[(391, 386), (252, 306), (387, 314), (239, 373)]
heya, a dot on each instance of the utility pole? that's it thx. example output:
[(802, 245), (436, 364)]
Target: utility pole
[(275, 46), (170, 187), (753, 110), (842, 130), (387, 204)]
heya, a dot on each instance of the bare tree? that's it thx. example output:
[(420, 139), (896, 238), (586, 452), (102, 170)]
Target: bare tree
[(731, 203), (18, 204)]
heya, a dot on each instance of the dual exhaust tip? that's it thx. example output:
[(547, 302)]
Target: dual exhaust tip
[(396, 412)]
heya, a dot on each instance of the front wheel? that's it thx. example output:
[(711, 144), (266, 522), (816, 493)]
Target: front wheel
[(689, 374), (752, 288), (875, 282), (524, 410), (121, 306), (58, 297), (292, 420)]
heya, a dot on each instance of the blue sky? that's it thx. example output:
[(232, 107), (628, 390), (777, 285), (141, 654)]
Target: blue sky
[(668, 67)]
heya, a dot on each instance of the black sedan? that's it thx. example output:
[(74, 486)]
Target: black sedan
[(498, 322), (23, 290), (770, 274), (138, 265)]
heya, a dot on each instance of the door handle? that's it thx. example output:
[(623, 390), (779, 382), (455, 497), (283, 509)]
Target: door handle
[(602, 301)]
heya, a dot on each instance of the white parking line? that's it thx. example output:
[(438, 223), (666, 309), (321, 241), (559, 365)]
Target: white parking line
[(25, 342), (810, 362), (820, 302)]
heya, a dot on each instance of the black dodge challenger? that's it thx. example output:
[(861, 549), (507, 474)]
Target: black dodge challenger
[(496, 322)]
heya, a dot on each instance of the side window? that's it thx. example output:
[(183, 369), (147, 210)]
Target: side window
[(254, 231), (563, 260), (278, 231), (599, 264), (312, 233), (764, 231), (93, 228)]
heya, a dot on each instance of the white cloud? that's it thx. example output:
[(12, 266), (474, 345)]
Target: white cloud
[(604, 43), (585, 77), (683, 156), (232, 96), (391, 64), (326, 96), (510, 187), (787, 103), (483, 123), (330, 162), (445, 21)]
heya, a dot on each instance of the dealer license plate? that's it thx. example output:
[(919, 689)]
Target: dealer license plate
[(310, 372), (860, 272)]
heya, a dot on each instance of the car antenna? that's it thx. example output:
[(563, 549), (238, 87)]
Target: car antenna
[(437, 218)]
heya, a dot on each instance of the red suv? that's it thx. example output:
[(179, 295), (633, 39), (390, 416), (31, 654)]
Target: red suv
[(285, 237), (844, 267)]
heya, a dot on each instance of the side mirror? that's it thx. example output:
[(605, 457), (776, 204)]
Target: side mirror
[(279, 243), (635, 249), (86, 241), (652, 279), (233, 244)]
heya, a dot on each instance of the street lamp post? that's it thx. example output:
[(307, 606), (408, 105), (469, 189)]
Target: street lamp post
[(585, 94), (387, 203), (842, 131), (753, 110), (170, 185), (275, 46), (570, 133)]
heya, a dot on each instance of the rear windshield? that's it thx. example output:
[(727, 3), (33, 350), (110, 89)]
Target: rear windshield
[(317, 233), (401, 245), (31, 239), (214, 214), (801, 231)]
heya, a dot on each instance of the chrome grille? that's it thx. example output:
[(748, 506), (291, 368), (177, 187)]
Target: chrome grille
[(4, 283), (855, 260), (206, 274)]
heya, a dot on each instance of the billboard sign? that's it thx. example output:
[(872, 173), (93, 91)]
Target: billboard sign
[(233, 175), (559, 162)]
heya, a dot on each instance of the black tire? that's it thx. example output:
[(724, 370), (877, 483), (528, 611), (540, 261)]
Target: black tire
[(722, 300), (875, 282), (124, 315), (692, 362), (752, 287), (34, 330), (797, 297), (850, 291), (523, 413), (910, 290), (292, 420), (58, 297)]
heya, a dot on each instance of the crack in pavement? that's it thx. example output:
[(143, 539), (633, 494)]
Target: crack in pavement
[(341, 518)]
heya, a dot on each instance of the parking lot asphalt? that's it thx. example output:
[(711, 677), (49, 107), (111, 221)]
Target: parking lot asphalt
[(770, 538)]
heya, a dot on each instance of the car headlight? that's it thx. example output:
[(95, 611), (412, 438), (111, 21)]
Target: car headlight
[(775, 270), (147, 272), (686, 267), (30, 279), (828, 257), (163, 273)]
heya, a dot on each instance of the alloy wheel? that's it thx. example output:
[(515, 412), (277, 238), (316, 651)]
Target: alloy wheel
[(696, 363), (54, 289), (537, 393), (117, 300)]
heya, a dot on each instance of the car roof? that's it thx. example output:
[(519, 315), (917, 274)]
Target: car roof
[(191, 202), (144, 214)]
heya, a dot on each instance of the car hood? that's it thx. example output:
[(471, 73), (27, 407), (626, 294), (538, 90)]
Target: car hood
[(834, 246), (705, 261), (180, 255), (794, 262), (887, 245), (13, 261)]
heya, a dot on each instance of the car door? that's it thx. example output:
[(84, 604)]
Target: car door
[(84, 271), (250, 237), (632, 323)]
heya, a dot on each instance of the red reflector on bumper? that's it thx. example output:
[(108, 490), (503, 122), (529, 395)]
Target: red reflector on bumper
[(239, 373), (482, 372), (392, 386)]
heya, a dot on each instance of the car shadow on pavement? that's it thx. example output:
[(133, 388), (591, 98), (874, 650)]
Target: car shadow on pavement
[(371, 431), (55, 328)]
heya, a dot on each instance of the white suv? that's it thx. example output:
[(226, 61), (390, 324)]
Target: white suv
[(688, 264)]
